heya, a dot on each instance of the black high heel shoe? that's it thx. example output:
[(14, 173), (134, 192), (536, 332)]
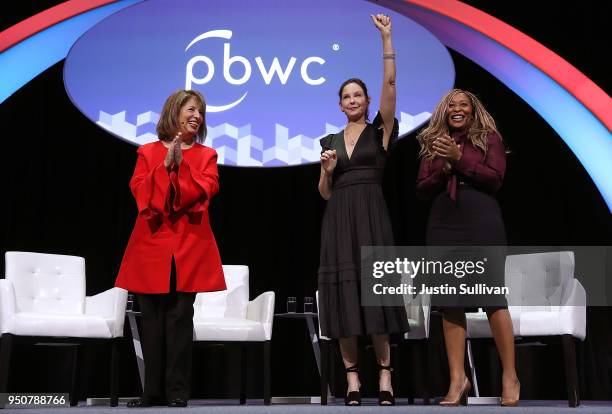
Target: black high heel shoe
[(353, 397), (385, 397)]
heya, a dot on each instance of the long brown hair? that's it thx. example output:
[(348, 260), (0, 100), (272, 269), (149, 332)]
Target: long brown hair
[(168, 124), (481, 125)]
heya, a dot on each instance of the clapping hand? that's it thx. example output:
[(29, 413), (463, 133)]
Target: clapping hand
[(329, 161), (174, 156), (447, 148), (382, 23), (178, 151)]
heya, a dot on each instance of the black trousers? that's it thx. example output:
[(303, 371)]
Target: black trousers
[(167, 342)]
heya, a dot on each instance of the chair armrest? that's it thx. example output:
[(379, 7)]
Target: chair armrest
[(109, 304), (418, 308), (8, 305), (575, 294), (426, 306), (261, 309), (573, 310), (427, 316)]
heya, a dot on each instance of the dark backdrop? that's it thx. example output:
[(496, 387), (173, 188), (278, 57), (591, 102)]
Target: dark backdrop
[(66, 191)]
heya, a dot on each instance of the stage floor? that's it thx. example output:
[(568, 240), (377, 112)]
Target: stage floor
[(370, 406)]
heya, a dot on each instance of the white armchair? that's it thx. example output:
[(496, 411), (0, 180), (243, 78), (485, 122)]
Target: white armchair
[(546, 301), (229, 316), (42, 298)]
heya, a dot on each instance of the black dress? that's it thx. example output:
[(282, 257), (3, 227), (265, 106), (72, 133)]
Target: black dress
[(356, 215)]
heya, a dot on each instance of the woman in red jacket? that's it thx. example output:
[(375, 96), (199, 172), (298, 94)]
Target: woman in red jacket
[(463, 161), (172, 253)]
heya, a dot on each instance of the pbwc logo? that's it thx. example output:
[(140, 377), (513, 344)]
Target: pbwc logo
[(269, 70), (267, 73)]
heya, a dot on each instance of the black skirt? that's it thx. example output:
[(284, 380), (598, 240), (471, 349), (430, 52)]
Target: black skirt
[(355, 216), (473, 219)]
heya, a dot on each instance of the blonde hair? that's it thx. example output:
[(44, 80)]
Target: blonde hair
[(480, 126), (168, 124)]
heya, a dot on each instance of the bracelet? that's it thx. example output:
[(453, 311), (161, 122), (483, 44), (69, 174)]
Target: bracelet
[(389, 55)]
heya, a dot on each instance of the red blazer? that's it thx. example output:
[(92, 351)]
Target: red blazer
[(172, 221)]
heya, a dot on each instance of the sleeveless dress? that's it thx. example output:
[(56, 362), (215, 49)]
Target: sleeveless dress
[(356, 215)]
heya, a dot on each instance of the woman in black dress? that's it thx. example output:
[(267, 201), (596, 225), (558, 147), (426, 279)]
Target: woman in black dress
[(463, 162), (352, 164)]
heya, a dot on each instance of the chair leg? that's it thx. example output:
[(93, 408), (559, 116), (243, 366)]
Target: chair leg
[(419, 350), (266, 368), (472, 367), (114, 374), (324, 349), (425, 356), (407, 377), (396, 363), (5, 360), (332, 377), (495, 368), (74, 388), (243, 373), (571, 375)]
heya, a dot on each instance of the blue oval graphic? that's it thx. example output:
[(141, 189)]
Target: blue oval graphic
[(269, 70)]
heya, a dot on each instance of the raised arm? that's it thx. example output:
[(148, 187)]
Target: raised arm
[(388, 94)]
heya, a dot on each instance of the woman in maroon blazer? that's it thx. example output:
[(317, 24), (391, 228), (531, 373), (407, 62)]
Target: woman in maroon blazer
[(172, 253), (463, 161)]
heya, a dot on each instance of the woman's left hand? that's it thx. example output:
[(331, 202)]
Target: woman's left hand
[(178, 151), (446, 147), (382, 23)]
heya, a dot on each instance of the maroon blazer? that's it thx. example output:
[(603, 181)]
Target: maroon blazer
[(482, 172)]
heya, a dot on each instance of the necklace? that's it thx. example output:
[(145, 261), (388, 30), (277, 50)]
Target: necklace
[(353, 141)]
